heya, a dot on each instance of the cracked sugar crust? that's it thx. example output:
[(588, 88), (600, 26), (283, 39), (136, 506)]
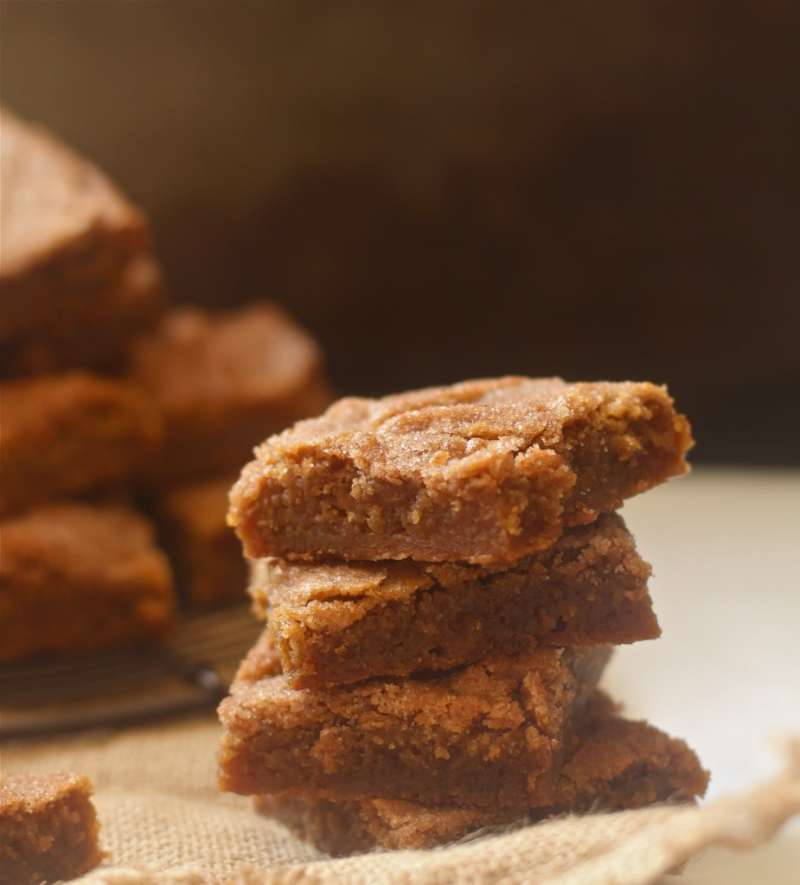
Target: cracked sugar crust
[(77, 275), (612, 764), (484, 471), (223, 380), (53, 198), (334, 622), (48, 828), (67, 231), (486, 734), (77, 577)]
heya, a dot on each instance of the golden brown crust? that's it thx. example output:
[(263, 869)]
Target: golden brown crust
[(613, 764), (223, 381), (48, 828), (336, 623), (486, 734), (74, 577), (484, 471), (73, 434), (203, 549)]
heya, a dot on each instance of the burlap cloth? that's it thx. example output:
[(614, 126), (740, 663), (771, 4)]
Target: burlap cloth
[(164, 821)]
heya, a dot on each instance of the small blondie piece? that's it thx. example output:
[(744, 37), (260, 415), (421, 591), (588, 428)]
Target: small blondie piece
[(335, 623), (613, 764), (48, 828), (225, 380), (489, 734), (75, 577), (204, 551), (482, 472), (75, 434)]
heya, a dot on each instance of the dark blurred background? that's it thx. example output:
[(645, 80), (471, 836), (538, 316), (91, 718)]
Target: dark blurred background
[(442, 190)]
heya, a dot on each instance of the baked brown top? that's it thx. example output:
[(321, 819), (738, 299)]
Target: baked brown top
[(61, 219), (487, 733), (284, 585), (337, 622), (225, 380), (483, 471), (52, 197), (95, 543), (48, 828), (197, 358), (486, 686), (78, 577), (31, 793)]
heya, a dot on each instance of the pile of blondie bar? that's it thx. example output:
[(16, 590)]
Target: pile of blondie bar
[(443, 576), (122, 418)]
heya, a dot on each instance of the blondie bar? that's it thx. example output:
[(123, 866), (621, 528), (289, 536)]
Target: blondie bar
[(126, 308), (484, 471), (486, 735), (48, 828), (223, 381), (74, 434), (613, 764), (68, 235), (342, 622), (204, 551), (75, 577)]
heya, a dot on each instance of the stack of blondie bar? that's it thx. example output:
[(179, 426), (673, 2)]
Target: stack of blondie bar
[(443, 576)]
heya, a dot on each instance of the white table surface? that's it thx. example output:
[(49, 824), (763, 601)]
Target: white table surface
[(725, 675)]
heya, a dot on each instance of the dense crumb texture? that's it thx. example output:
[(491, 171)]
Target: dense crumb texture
[(48, 828), (69, 435), (613, 764), (68, 237), (489, 734), (342, 622), (205, 553), (225, 380), (75, 577), (484, 471)]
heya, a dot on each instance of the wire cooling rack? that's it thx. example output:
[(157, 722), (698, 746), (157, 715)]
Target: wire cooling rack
[(191, 671)]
